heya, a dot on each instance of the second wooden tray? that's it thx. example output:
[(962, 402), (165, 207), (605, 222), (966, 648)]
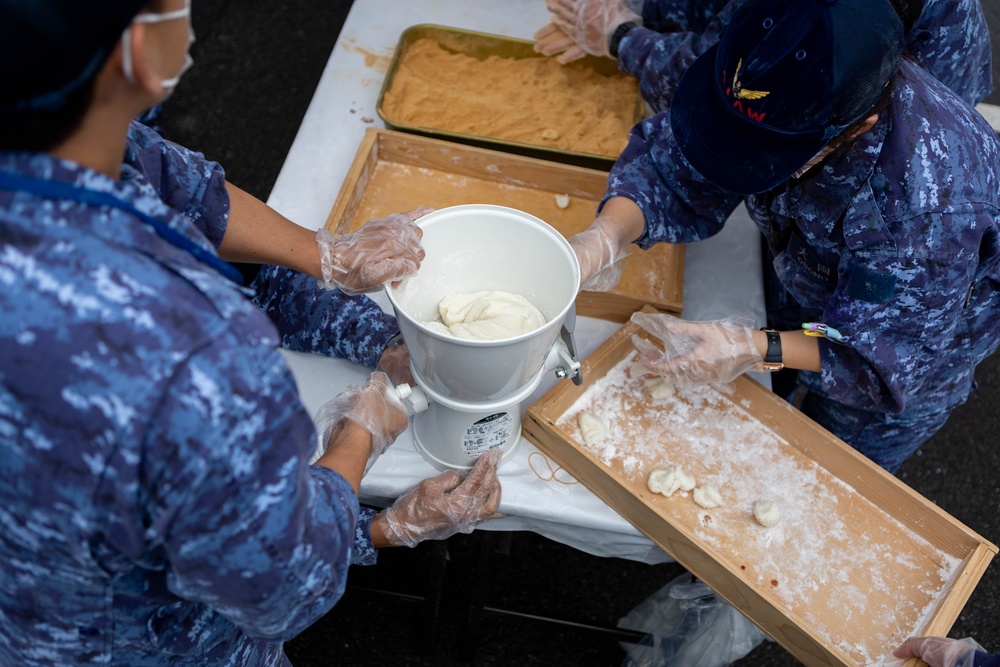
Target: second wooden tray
[(858, 561), (395, 171)]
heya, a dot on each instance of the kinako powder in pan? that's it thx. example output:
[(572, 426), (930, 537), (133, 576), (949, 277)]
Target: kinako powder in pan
[(533, 101)]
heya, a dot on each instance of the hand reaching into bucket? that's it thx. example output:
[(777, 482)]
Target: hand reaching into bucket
[(696, 352), (383, 250), (444, 505), (375, 407), (579, 27)]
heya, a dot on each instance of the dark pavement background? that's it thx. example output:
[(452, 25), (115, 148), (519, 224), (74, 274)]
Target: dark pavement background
[(256, 65)]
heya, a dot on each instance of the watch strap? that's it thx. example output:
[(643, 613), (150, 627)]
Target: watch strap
[(617, 35), (772, 358)]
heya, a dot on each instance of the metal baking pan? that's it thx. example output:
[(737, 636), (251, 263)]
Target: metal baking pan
[(481, 46)]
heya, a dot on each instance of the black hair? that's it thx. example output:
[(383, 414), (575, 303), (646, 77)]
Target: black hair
[(845, 138), (39, 130)]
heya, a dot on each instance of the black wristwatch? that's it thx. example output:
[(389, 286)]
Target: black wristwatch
[(616, 37), (772, 360)]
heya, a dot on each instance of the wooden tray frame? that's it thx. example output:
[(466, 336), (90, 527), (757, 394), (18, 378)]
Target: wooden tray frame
[(901, 502), (665, 261)]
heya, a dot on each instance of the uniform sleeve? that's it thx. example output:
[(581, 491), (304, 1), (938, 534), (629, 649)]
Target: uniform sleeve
[(327, 322), (185, 180), (680, 15), (659, 59), (951, 40), (983, 659), (678, 204), (246, 526), (901, 315), (364, 552)]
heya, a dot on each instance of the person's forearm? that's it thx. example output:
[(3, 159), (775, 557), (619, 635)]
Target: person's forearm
[(377, 532), (347, 452), (798, 350), (257, 234), (628, 219)]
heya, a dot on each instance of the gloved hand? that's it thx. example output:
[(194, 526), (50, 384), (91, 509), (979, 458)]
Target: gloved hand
[(600, 249), (444, 505), (940, 651), (588, 25), (696, 352), (383, 250), (375, 407), (395, 362)]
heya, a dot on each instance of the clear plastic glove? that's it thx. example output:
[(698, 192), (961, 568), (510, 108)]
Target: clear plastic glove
[(383, 250), (940, 651), (395, 362), (375, 407), (696, 352), (586, 26), (600, 249), (441, 506)]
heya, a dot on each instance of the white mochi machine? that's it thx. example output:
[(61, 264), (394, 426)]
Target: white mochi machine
[(469, 393)]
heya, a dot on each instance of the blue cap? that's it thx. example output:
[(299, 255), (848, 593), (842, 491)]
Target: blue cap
[(786, 77), (49, 48)]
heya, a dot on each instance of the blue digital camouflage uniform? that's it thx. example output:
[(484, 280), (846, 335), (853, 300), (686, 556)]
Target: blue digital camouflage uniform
[(950, 39), (157, 507), (893, 241)]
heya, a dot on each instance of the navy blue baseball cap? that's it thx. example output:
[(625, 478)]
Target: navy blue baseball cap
[(49, 48), (786, 77)]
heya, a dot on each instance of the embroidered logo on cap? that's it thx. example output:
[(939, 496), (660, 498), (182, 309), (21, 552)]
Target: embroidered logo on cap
[(740, 93)]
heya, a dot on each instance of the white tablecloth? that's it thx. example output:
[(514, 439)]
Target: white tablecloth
[(722, 275)]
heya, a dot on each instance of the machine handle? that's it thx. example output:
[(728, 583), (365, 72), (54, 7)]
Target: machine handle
[(414, 399)]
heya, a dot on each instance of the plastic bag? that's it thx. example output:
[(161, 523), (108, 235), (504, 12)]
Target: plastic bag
[(688, 626)]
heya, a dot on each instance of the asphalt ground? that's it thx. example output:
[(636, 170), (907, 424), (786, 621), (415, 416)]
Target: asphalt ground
[(481, 599)]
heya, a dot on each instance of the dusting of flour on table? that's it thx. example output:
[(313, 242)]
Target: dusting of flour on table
[(835, 559)]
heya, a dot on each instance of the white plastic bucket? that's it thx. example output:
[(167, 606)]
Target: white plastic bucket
[(474, 248)]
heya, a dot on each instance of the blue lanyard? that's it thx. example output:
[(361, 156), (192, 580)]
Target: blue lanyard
[(64, 191)]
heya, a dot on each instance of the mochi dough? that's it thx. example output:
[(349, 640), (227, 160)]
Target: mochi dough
[(671, 479), (659, 388), (708, 496), (766, 512), (593, 429), (486, 315)]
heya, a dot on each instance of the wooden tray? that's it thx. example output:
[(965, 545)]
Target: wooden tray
[(858, 562), (581, 87), (395, 171)]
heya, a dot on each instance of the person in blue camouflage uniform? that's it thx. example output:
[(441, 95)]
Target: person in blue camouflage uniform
[(658, 40), (948, 38), (889, 236), (158, 507)]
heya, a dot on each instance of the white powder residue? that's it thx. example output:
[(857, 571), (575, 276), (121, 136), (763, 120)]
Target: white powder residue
[(852, 572)]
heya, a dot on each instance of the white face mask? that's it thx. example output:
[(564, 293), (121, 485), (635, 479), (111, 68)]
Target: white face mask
[(171, 83)]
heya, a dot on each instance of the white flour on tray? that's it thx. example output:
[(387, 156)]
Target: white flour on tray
[(812, 561)]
